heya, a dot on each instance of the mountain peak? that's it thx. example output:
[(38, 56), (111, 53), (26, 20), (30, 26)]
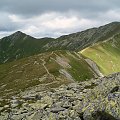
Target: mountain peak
[(18, 33)]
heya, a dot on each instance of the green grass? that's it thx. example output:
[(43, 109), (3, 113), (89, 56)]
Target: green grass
[(106, 55), (19, 75), (80, 69), (21, 46)]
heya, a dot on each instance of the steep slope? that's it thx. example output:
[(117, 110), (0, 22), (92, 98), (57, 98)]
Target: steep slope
[(20, 45), (81, 40), (46, 70), (106, 54)]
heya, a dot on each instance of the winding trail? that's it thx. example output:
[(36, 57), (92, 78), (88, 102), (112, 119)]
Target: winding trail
[(43, 63)]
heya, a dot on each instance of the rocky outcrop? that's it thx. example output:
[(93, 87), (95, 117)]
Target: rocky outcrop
[(94, 66), (96, 99)]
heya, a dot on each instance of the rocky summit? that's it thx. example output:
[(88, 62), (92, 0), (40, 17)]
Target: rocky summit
[(96, 99)]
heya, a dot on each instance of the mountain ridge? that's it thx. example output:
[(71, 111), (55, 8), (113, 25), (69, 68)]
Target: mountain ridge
[(15, 46)]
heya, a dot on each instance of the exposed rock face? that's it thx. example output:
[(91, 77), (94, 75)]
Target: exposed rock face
[(94, 66), (96, 99)]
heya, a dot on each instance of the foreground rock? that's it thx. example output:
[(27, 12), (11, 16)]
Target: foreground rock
[(97, 99)]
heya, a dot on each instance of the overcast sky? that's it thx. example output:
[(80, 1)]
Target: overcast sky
[(53, 18)]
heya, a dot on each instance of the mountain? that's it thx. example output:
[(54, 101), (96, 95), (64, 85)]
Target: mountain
[(20, 45), (46, 70), (81, 40), (105, 54), (41, 63)]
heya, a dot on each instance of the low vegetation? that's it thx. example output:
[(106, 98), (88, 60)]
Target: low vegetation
[(106, 54), (50, 69)]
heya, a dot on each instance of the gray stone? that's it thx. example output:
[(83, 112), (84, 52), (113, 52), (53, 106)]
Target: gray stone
[(1, 108), (57, 109), (68, 102)]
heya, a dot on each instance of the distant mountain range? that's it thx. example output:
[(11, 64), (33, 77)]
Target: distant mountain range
[(27, 62), (20, 45)]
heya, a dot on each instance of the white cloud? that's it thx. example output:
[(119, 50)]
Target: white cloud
[(5, 23), (14, 18), (112, 15), (3, 34), (54, 24)]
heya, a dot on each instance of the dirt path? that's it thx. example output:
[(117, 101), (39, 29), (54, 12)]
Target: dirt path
[(43, 63)]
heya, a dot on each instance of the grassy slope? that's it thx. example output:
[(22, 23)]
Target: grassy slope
[(20, 45), (106, 55), (29, 72)]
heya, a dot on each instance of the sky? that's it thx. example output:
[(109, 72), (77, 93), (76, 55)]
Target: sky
[(53, 18)]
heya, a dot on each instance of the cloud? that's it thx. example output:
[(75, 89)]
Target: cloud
[(52, 18), (53, 24), (32, 8), (6, 24), (111, 15)]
